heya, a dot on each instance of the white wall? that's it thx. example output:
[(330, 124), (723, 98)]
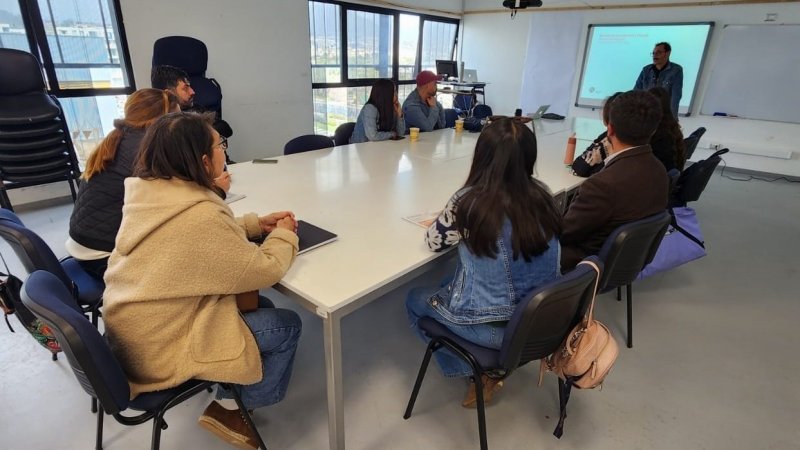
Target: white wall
[(258, 51), (496, 45)]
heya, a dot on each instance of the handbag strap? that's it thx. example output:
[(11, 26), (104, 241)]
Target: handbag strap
[(590, 316)]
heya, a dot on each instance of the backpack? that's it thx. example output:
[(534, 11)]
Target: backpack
[(584, 358), (11, 303)]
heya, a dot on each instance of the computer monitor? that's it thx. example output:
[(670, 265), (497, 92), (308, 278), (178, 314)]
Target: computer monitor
[(447, 68)]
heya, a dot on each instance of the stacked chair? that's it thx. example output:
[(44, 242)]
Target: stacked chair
[(35, 143)]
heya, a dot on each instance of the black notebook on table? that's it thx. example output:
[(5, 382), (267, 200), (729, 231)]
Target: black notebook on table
[(311, 236)]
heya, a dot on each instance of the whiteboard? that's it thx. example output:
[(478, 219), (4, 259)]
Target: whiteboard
[(756, 73)]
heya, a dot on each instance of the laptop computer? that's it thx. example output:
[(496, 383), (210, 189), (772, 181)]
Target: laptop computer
[(538, 114), (470, 76)]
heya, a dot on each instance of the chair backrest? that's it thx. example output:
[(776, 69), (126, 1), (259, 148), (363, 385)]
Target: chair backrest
[(631, 247), (20, 73), (306, 143), (694, 179), (32, 250), (343, 132), (482, 111), (541, 322), (692, 140), (185, 52), (450, 116), (88, 353)]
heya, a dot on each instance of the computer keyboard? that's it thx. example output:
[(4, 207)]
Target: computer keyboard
[(552, 116)]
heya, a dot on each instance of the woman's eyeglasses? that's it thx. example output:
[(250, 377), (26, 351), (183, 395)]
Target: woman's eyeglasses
[(223, 142)]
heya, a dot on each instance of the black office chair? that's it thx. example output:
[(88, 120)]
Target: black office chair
[(626, 252), (450, 117), (306, 143), (35, 143), (481, 111), (35, 254), (343, 132), (191, 55), (96, 368), (537, 328), (694, 179), (691, 141)]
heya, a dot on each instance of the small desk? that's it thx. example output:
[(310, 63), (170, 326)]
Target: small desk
[(362, 192), (459, 88)]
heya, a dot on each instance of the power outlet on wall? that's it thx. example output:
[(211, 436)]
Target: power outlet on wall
[(714, 146)]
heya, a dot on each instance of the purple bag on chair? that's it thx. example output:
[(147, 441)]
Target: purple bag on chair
[(682, 243)]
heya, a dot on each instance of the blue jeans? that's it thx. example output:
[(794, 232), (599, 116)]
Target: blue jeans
[(277, 332), (488, 335)]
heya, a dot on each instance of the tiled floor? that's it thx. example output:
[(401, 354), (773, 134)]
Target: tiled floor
[(714, 365)]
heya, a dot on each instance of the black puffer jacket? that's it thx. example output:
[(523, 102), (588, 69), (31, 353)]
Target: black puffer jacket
[(98, 210)]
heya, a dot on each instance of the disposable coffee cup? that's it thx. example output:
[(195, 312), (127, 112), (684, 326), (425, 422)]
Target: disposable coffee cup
[(413, 133), (460, 125)]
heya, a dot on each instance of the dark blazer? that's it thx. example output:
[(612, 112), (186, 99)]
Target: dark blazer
[(632, 186)]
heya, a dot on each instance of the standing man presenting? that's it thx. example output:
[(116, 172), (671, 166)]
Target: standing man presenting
[(663, 73), (421, 109)]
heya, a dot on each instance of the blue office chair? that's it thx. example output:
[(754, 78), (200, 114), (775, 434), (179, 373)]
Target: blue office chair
[(343, 132), (34, 254), (96, 368), (306, 143), (692, 140), (626, 251), (450, 116), (481, 111), (537, 328)]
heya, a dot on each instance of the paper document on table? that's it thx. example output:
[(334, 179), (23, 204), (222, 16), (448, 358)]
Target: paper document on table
[(231, 197), (423, 220)]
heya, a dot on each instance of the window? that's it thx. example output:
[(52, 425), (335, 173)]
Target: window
[(81, 46), (353, 45)]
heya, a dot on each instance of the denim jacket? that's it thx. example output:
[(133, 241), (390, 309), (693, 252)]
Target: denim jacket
[(670, 78), (419, 114), (487, 289), (366, 128)]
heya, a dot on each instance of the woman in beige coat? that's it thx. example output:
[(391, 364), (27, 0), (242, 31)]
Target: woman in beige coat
[(179, 262)]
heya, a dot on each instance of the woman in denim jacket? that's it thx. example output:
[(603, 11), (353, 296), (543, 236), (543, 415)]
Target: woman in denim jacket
[(505, 225), (381, 118)]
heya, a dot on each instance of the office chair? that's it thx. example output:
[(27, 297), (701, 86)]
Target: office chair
[(191, 55), (34, 254), (537, 328), (626, 251), (35, 142), (306, 143), (450, 116), (481, 111), (694, 179), (96, 368), (691, 141), (343, 132)]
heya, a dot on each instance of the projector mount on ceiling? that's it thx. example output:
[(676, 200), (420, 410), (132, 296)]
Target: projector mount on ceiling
[(514, 5)]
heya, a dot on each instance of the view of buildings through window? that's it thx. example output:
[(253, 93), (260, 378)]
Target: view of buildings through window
[(85, 54), (369, 34)]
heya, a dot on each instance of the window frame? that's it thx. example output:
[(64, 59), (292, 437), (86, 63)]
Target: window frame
[(344, 7), (37, 41)]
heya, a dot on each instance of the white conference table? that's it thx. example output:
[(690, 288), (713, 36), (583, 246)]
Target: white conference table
[(362, 192)]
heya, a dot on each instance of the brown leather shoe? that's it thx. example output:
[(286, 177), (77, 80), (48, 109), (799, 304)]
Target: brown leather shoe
[(490, 386), (228, 425)]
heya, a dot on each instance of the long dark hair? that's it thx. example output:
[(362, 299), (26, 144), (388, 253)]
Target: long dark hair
[(501, 186), (174, 147), (669, 125), (382, 97)]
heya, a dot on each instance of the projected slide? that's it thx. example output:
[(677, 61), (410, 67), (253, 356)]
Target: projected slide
[(615, 54)]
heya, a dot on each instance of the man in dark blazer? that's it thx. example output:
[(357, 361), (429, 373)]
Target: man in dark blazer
[(632, 185)]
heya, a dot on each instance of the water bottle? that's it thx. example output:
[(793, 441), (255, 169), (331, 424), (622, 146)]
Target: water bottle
[(569, 154)]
